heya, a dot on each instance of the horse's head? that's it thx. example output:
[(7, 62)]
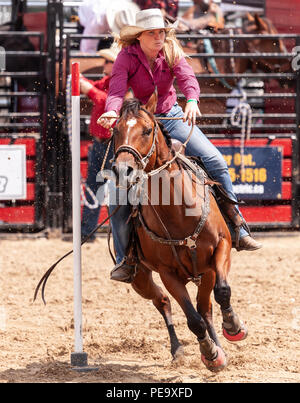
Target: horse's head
[(136, 138), (263, 26)]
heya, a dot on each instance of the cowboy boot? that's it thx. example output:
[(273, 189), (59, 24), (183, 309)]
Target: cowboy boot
[(248, 243), (231, 213), (124, 271)]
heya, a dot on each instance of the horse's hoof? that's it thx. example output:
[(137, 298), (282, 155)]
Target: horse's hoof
[(178, 356), (216, 365), (240, 335)]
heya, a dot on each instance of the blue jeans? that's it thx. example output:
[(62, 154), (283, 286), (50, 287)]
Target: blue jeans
[(198, 146), (90, 216), (120, 229)]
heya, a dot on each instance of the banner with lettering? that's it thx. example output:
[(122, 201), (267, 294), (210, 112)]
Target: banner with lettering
[(261, 178)]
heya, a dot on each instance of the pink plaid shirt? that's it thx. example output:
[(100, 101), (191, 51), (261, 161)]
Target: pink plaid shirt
[(131, 69)]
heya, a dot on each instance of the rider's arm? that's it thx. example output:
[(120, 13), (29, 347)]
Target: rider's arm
[(189, 86), (186, 80), (118, 83)]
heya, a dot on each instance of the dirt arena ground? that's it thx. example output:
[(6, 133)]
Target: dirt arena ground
[(125, 336)]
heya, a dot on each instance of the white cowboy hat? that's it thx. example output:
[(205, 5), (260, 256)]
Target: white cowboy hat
[(146, 20), (121, 13), (110, 53)]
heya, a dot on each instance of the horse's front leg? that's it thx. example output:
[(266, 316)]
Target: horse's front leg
[(233, 328), (144, 285), (204, 305), (211, 354)]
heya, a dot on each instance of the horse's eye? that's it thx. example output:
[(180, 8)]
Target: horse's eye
[(115, 131), (147, 132)]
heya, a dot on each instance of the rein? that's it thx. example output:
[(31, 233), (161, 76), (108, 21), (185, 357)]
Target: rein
[(43, 280), (176, 154), (143, 161)]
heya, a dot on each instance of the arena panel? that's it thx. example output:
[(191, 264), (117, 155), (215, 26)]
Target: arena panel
[(21, 215), (23, 212)]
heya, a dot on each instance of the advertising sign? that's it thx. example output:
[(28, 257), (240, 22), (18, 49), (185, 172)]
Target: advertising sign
[(261, 178)]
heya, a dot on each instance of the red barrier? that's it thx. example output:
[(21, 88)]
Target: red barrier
[(24, 212)]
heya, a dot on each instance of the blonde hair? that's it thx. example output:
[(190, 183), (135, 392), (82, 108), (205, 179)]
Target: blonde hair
[(172, 49)]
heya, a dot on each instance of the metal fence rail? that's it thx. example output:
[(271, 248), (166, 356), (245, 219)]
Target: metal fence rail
[(25, 126)]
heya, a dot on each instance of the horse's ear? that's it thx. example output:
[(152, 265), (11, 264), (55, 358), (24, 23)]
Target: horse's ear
[(129, 94), (261, 25), (152, 102), (250, 17)]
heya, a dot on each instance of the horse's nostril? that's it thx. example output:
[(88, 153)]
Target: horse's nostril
[(115, 170), (129, 170), (122, 170)]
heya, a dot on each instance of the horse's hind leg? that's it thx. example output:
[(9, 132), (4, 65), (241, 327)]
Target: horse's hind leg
[(233, 328), (144, 285)]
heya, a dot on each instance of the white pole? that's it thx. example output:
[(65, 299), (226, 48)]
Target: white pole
[(78, 358)]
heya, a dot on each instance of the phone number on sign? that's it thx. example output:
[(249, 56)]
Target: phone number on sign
[(249, 175)]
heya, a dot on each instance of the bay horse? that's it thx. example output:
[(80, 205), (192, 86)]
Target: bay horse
[(253, 24), (180, 247)]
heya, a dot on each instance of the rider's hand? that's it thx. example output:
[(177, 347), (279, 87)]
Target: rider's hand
[(191, 112), (106, 120)]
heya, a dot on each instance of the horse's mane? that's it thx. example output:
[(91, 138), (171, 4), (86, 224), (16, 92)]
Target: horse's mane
[(132, 107), (166, 134)]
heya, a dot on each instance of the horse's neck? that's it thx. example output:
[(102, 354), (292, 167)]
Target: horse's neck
[(161, 161), (175, 196)]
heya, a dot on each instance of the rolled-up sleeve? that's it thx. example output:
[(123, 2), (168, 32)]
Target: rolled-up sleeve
[(97, 96), (118, 83), (186, 79)]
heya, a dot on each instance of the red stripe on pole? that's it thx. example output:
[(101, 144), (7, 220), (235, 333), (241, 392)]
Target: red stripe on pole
[(75, 79)]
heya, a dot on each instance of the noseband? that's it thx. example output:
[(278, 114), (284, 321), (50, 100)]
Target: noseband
[(141, 161)]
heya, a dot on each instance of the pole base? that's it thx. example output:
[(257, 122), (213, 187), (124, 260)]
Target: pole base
[(79, 361)]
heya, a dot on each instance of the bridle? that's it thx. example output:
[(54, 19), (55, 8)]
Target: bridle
[(140, 160), (143, 161)]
